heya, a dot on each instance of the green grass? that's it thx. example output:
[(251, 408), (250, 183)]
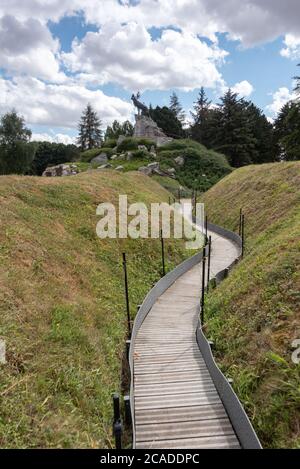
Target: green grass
[(202, 168), (253, 316), (173, 186), (62, 310)]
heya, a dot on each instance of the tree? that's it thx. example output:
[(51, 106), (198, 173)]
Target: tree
[(262, 131), (16, 153), (90, 133), (167, 121), (51, 154), (287, 132), (233, 133), (200, 129), (176, 108), (116, 129), (12, 129)]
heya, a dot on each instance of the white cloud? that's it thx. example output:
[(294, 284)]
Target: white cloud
[(127, 55), (53, 138), (251, 21), (27, 47), (292, 47), (280, 98), (58, 105), (244, 89)]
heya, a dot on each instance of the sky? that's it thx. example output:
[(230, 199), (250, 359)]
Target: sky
[(56, 56)]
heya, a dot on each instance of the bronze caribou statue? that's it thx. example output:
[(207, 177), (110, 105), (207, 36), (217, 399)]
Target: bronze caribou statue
[(142, 108)]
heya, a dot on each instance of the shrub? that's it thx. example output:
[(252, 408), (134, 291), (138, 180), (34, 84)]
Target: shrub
[(131, 144), (16, 158), (140, 154), (110, 143), (51, 154), (202, 167), (88, 155)]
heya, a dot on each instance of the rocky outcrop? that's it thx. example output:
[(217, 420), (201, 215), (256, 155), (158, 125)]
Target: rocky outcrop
[(145, 127), (154, 168), (100, 159), (61, 170)]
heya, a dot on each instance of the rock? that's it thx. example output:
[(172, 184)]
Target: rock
[(102, 158), (129, 156), (120, 140), (171, 171), (142, 147), (105, 166), (161, 141), (114, 157), (119, 168), (61, 170), (152, 149), (154, 165), (146, 170), (179, 160), (145, 127)]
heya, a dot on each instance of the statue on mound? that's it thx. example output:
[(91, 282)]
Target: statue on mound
[(145, 127), (142, 108)]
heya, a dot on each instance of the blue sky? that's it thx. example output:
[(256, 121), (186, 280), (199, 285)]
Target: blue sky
[(57, 59)]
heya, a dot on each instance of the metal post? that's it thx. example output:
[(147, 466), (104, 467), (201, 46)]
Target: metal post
[(117, 426), (162, 253), (126, 294), (208, 263), (243, 235), (206, 239), (240, 222), (128, 342), (203, 287), (128, 419)]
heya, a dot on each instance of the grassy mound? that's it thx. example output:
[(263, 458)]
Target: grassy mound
[(202, 168), (62, 305), (254, 315)]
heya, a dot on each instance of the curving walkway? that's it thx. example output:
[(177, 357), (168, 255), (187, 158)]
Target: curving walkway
[(176, 403)]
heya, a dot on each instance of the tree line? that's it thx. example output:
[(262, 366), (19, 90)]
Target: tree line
[(235, 127)]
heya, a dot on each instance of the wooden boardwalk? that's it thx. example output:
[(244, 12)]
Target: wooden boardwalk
[(176, 402)]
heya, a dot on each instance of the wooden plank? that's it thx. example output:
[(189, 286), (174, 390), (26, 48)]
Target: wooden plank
[(178, 377), (217, 442), (174, 388), (180, 414), (177, 400), (197, 428)]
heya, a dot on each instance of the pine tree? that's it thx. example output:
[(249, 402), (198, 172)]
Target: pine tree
[(262, 130), (90, 133), (200, 128), (116, 129), (233, 134), (176, 108), (167, 121), (287, 132)]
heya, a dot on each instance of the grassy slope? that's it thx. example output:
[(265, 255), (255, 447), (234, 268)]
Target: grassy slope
[(254, 314), (62, 305)]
